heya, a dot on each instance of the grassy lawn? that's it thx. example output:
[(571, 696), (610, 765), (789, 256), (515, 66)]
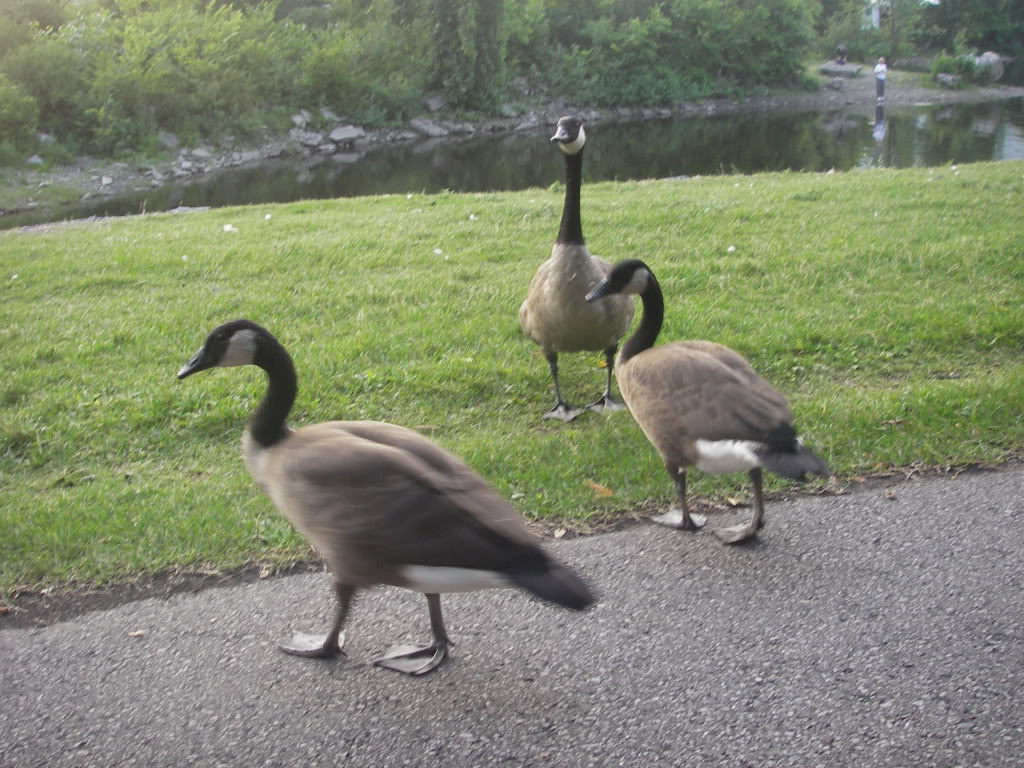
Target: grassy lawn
[(15, 191), (886, 304)]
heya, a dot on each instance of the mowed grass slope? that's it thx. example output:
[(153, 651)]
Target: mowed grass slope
[(886, 304)]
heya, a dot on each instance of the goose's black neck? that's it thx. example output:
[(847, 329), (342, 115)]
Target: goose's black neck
[(571, 230), (267, 424), (650, 324)]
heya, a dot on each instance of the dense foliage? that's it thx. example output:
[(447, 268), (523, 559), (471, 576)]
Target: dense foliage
[(909, 26), (107, 75)]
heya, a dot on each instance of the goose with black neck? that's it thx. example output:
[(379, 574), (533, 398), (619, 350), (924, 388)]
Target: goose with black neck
[(556, 314), (382, 505), (702, 405)]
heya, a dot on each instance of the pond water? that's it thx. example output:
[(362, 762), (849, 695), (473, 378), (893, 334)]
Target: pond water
[(855, 137)]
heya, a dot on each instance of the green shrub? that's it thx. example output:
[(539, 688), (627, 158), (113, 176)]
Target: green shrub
[(196, 70), (53, 73), (10, 155), (625, 65), (45, 14), (945, 64), (369, 74), (965, 66), (18, 114), (13, 33)]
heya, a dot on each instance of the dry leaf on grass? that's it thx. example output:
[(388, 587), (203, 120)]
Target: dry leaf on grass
[(600, 490)]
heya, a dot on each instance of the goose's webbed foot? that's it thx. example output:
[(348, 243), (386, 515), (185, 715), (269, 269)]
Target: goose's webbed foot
[(314, 646), (414, 660)]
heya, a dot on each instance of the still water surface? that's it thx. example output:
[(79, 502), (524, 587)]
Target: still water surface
[(855, 137)]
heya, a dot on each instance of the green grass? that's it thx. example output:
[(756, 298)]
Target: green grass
[(886, 304), (16, 191)]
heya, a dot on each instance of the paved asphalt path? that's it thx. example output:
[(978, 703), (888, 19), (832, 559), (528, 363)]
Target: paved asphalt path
[(859, 631)]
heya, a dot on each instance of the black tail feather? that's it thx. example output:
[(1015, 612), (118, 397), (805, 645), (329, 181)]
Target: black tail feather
[(556, 584), (793, 464)]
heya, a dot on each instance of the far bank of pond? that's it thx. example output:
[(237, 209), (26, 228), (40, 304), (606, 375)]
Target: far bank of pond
[(840, 137)]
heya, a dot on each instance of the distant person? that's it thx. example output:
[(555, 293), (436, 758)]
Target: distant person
[(880, 70), (841, 53)]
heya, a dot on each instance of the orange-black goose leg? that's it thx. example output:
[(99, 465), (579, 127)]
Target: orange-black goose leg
[(415, 660)]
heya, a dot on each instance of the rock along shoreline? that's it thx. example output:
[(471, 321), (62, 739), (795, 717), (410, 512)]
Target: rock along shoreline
[(322, 134)]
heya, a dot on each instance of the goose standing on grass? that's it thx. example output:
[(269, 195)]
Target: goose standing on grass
[(556, 313), (382, 504), (702, 405)]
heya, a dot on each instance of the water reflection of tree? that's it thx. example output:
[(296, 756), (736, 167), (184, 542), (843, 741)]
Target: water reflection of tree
[(840, 139), (950, 135)]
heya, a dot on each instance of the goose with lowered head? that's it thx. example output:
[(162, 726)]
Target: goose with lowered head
[(556, 314), (702, 405), (382, 505)]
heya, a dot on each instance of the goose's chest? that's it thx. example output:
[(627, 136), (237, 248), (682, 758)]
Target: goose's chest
[(256, 460)]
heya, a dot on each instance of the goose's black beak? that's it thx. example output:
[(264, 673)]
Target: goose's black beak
[(602, 290), (561, 135), (198, 363)]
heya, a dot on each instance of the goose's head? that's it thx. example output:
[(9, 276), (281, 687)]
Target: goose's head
[(630, 277), (234, 343), (570, 135)]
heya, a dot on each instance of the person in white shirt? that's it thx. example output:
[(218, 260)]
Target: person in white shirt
[(880, 70)]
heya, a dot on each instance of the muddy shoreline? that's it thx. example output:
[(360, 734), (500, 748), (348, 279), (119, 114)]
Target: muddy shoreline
[(92, 179)]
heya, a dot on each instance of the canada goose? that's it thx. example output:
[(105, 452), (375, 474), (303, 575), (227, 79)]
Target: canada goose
[(556, 314), (702, 405), (382, 504)]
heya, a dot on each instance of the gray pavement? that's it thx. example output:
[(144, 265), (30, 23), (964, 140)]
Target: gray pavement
[(859, 631)]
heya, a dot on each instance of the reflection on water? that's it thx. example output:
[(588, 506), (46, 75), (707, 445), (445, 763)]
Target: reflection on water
[(858, 136)]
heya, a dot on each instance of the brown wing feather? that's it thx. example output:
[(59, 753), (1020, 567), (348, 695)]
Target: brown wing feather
[(374, 496), (700, 390)]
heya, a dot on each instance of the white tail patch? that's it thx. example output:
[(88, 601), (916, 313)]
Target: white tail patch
[(432, 579), (719, 457)]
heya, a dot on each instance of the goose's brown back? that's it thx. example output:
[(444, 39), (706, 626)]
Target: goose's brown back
[(373, 497), (698, 390)]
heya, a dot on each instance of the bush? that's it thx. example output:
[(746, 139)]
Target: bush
[(369, 74), (45, 14), (18, 115), (13, 33), (626, 64), (198, 71), (50, 71), (964, 66)]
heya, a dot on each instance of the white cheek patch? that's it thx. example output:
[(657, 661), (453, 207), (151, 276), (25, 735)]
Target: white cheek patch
[(241, 350), (638, 282), (572, 147), (719, 457)]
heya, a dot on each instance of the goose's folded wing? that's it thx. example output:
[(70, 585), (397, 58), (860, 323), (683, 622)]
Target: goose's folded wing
[(403, 506), (717, 401)]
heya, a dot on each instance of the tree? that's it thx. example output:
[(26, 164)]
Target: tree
[(469, 51)]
